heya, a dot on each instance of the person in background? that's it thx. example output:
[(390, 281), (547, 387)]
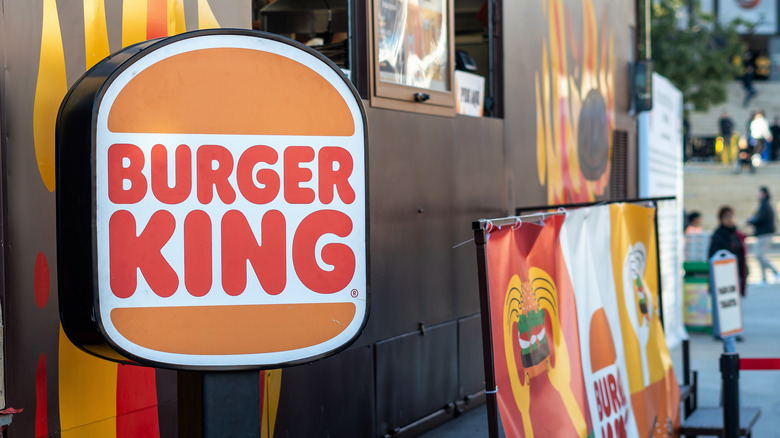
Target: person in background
[(775, 131), (763, 66), (747, 83), (726, 125), (694, 223), (760, 136), (728, 237), (744, 155), (763, 221)]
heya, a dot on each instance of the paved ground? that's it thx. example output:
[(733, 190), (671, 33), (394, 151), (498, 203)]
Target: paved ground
[(761, 315)]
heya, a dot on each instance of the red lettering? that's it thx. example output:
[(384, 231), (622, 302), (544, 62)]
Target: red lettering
[(621, 391), (608, 432), (294, 175), (598, 400), (197, 253), (605, 397), (239, 245), (613, 392), (210, 178), (338, 255), (118, 173), (330, 178), (183, 163), (129, 252), (620, 426), (268, 178)]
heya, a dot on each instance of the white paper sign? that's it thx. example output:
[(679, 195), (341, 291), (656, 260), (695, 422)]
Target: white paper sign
[(469, 93)]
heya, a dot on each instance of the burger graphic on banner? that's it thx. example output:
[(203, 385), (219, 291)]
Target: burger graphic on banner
[(212, 204), (537, 355)]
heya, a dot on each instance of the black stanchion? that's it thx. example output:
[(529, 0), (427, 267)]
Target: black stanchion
[(729, 371)]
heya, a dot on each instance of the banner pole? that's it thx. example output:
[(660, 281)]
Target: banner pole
[(491, 390), (658, 266)]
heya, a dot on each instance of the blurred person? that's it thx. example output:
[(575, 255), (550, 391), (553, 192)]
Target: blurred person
[(694, 223), (775, 131), (744, 155), (763, 222), (728, 237), (747, 83), (726, 125), (759, 133), (763, 66)]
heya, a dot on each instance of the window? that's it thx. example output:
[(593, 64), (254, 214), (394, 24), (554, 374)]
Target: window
[(412, 58), (322, 25), (478, 56)]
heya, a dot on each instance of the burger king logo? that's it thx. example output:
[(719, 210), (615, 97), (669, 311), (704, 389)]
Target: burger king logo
[(748, 4), (223, 177)]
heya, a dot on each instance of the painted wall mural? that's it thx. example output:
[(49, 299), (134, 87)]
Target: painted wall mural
[(97, 398), (575, 103)]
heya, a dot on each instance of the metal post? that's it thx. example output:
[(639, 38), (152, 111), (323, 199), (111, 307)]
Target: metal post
[(491, 391), (729, 370), (686, 350), (658, 266), (219, 405)]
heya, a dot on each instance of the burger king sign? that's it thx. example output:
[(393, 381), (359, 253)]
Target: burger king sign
[(211, 204)]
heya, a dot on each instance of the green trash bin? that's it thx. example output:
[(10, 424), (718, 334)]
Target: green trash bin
[(697, 308)]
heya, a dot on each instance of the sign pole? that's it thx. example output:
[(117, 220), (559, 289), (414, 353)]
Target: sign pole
[(491, 390), (219, 404)]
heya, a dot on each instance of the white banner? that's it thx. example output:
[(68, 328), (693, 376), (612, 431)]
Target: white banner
[(585, 239)]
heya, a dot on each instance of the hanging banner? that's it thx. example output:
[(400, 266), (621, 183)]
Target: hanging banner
[(535, 342), (578, 345), (585, 239), (655, 394)]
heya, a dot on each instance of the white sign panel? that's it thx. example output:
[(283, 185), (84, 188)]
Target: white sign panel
[(469, 93), (661, 175), (725, 287)]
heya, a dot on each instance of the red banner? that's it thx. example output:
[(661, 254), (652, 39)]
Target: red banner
[(536, 348)]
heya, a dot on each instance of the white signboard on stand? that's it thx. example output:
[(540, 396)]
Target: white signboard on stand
[(724, 283), (661, 175)]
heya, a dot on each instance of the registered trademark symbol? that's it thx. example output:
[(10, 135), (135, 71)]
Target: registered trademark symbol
[(354, 293)]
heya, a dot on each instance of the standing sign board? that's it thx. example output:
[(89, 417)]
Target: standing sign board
[(212, 204), (727, 308)]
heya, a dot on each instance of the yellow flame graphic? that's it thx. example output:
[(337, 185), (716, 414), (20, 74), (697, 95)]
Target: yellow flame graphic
[(206, 18), (95, 32), (133, 21), (50, 89), (176, 21)]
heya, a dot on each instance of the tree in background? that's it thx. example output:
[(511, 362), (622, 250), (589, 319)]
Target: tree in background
[(694, 51)]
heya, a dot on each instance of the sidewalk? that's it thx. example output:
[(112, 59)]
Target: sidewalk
[(761, 316)]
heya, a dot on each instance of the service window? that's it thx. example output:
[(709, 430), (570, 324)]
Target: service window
[(478, 58), (320, 24), (412, 63)]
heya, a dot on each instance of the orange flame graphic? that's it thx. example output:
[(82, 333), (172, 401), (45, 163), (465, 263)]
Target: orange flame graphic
[(575, 108)]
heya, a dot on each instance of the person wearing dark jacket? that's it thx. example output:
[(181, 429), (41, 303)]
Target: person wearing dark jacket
[(728, 237), (764, 223)]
